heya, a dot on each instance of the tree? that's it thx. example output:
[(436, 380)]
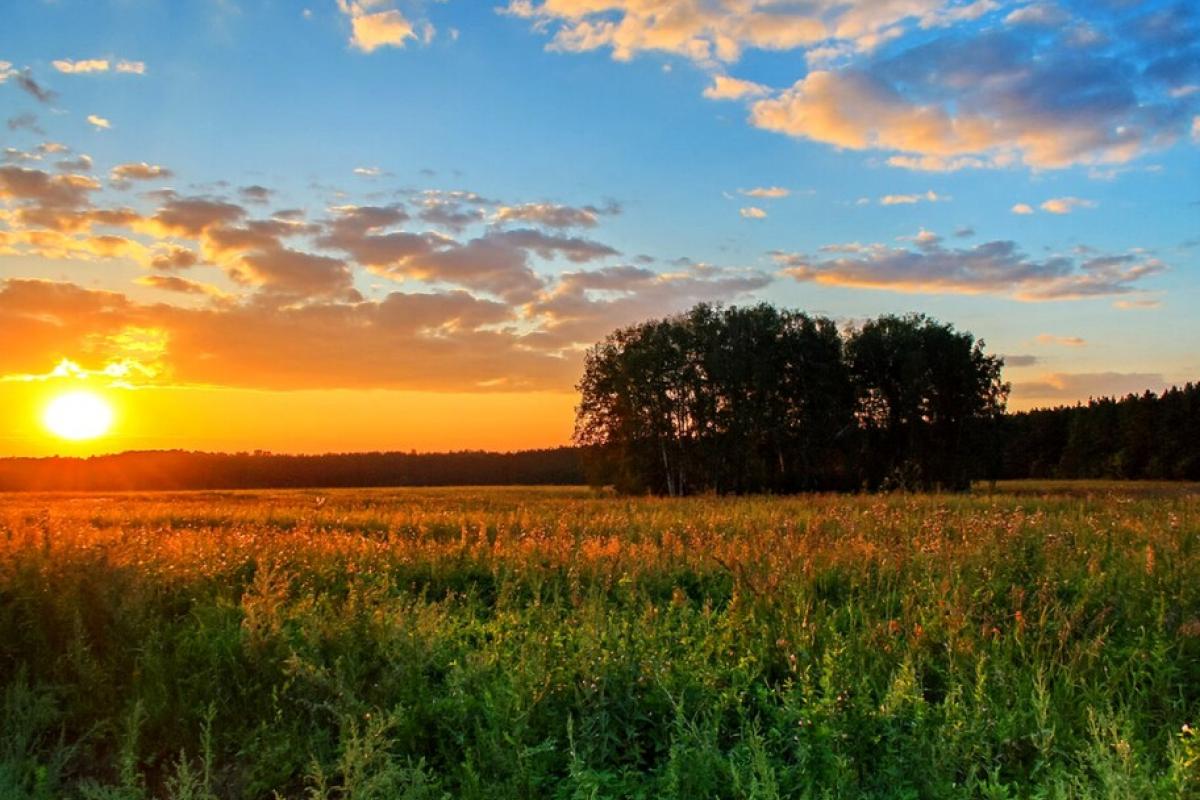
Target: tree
[(726, 400), (926, 393)]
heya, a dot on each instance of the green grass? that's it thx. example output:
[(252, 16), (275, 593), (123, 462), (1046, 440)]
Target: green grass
[(1035, 640)]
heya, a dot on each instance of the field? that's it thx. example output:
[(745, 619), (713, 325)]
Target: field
[(1038, 640)]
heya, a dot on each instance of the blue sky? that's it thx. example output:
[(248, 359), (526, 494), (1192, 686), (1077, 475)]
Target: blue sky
[(474, 192)]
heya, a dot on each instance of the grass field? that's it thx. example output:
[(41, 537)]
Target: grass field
[(1031, 640)]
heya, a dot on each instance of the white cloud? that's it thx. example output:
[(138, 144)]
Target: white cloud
[(768, 192), (98, 121), (908, 199), (753, 212)]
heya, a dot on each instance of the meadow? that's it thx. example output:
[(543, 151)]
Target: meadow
[(1035, 640)]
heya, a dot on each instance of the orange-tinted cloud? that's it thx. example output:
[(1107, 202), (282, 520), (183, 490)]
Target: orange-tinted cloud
[(372, 28), (727, 88), (1068, 386)]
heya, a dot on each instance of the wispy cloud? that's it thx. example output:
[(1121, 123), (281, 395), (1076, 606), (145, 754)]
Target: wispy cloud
[(726, 88), (1065, 205), (766, 192), (997, 267), (908, 199)]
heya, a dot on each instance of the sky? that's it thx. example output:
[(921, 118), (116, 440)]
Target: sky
[(386, 225)]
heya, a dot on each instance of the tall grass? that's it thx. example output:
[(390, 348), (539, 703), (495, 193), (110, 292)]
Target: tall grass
[(502, 643)]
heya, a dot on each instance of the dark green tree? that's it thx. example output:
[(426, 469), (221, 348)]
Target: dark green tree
[(725, 400), (927, 394)]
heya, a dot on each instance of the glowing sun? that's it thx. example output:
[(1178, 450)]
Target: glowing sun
[(78, 415)]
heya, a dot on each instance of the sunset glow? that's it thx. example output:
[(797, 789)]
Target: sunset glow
[(399, 224)]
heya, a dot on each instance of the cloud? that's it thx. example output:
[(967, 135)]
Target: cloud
[(982, 100), (445, 341), (709, 32), (87, 65), (83, 66), (498, 262), (99, 122), (1067, 386), (752, 212), (45, 190), (1022, 208), (172, 257), (255, 194), (122, 174), (552, 215), (173, 283), (727, 88), (1019, 360), (996, 267), (1063, 341), (583, 306), (1143, 303), (371, 30), (449, 212), (81, 163), (908, 199), (24, 122), (928, 163), (33, 88), (192, 216), (766, 192), (1065, 205), (935, 84), (925, 239), (498, 311), (368, 172), (1038, 14)]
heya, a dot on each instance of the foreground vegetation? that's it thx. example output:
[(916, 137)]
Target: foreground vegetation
[(497, 643)]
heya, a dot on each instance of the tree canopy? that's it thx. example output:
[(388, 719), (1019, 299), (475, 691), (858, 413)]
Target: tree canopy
[(750, 399)]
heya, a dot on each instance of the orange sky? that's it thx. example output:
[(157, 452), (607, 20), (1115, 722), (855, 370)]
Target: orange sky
[(312, 421)]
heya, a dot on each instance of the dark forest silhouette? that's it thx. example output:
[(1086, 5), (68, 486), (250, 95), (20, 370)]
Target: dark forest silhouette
[(177, 469), (1138, 437), (761, 399), (735, 400)]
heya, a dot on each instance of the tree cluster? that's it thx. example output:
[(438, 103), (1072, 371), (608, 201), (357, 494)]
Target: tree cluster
[(1147, 436), (760, 399)]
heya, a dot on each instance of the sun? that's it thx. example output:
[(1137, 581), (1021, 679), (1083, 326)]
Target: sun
[(78, 415)]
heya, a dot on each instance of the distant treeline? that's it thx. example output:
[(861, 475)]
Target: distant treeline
[(188, 470), (1144, 436)]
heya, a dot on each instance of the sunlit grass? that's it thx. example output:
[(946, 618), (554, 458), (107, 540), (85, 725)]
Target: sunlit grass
[(1036, 640)]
